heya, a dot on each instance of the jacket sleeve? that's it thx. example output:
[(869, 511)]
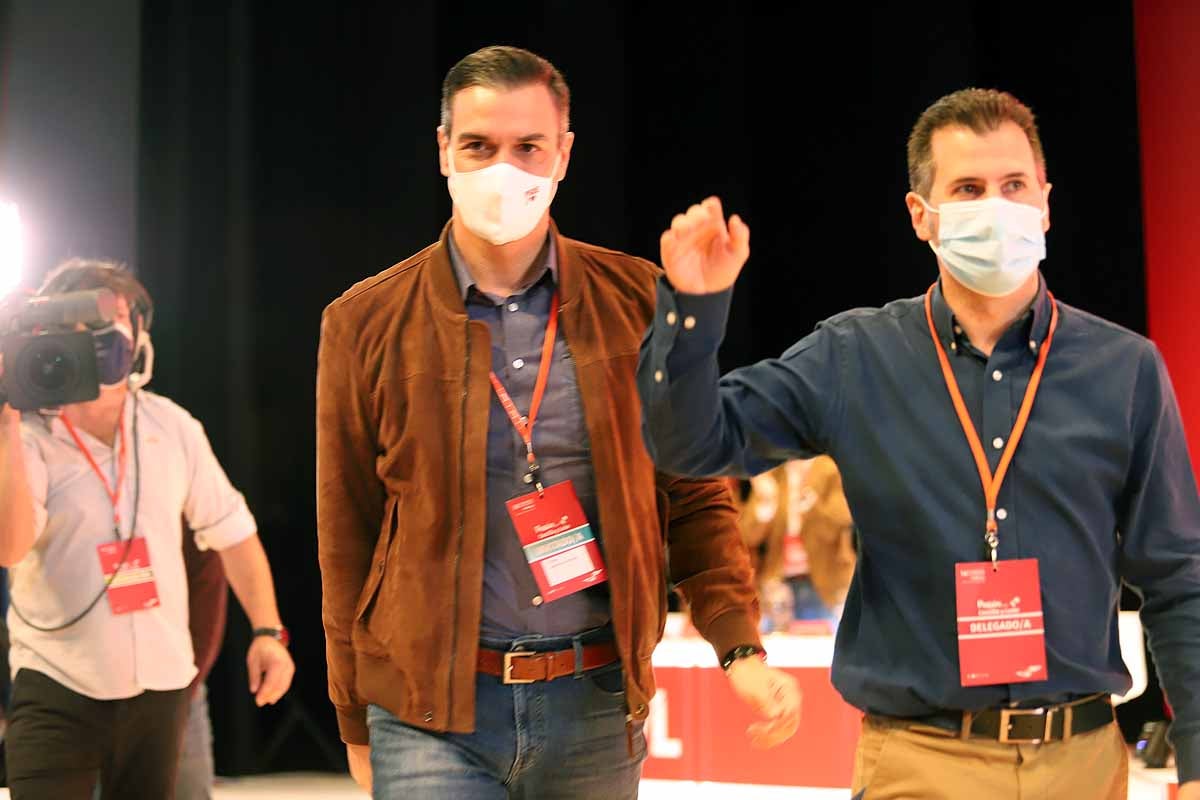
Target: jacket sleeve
[(709, 563), (350, 503)]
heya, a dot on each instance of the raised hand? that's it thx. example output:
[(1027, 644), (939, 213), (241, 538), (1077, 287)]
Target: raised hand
[(701, 253)]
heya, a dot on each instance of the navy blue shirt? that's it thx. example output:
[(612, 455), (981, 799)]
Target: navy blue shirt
[(511, 603), (1100, 489)]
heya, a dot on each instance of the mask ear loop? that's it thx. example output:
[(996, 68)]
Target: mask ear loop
[(931, 210), (143, 356), (143, 353)]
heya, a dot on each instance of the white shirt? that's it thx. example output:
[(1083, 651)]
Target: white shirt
[(107, 656)]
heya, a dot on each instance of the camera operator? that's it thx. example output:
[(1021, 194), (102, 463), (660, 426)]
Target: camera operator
[(92, 503)]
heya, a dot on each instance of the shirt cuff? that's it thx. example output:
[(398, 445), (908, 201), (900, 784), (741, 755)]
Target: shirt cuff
[(237, 526), (697, 320)]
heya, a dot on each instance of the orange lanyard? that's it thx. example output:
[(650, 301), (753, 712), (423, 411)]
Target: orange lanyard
[(114, 493), (991, 484), (524, 425)]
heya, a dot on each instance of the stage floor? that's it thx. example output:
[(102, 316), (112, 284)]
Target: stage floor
[(302, 786), (1144, 785)]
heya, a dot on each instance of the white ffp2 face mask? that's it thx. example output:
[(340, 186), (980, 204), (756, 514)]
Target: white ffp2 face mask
[(501, 203), (991, 246)]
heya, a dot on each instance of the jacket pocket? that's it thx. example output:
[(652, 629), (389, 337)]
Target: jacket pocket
[(379, 559)]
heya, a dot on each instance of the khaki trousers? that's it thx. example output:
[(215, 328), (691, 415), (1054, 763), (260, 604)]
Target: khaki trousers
[(897, 761)]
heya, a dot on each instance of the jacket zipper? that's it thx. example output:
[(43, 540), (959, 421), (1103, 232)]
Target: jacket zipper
[(462, 512)]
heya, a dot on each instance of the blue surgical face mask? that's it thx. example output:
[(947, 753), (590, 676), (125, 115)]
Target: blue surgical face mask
[(991, 246), (114, 355)]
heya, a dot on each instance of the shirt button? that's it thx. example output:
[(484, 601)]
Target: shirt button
[(997, 375), (1033, 346), (513, 307), (658, 376), (689, 322), (1001, 514), (518, 363), (997, 443), (671, 317), (954, 346), (537, 600), (958, 330)]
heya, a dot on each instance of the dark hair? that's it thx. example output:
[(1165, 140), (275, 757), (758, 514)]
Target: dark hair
[(981, 110), (82, 274), (501, 67)]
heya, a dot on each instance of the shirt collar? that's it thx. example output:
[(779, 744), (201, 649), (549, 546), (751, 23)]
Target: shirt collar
[(1029, 330), (466, 283)]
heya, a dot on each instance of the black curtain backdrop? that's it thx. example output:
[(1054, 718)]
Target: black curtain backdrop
[(288, 151)]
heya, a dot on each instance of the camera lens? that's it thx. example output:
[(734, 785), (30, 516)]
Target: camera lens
[(50, 367)]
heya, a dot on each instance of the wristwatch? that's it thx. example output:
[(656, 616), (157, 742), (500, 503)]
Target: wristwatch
[(279, 634), (740, 652)]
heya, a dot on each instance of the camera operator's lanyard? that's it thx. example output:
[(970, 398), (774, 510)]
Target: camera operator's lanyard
[(114, 493), (524, 425), (125, 563), (992, 483)]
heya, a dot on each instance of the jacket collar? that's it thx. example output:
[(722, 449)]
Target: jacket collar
[(448, 295)]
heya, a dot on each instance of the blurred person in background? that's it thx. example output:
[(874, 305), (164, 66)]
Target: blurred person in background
[(797, 525)]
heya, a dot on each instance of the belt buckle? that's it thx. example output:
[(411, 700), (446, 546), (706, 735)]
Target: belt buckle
[(1007, 714), (507, 677)]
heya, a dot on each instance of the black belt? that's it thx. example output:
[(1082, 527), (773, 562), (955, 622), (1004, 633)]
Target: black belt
[(1027, 725)]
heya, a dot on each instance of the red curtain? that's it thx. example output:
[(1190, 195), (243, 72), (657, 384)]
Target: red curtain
[(1168, 81)]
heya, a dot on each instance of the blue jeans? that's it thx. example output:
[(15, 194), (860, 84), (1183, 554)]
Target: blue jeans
[(562, 738)]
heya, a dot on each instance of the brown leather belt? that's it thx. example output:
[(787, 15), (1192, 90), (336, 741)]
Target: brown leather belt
[(1028, 725), (523, 666)]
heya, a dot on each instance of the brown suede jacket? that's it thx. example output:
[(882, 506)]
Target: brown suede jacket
[(402, 413)]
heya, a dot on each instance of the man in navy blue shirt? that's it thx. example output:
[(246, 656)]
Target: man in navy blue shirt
[(1009, 460)]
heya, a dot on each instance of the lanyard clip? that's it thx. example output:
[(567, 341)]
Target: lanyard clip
[(535, 469), (993, 541), (535, 476)]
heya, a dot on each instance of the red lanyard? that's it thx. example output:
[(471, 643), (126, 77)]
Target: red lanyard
[(524, 425), (114, 493), (991, 484)]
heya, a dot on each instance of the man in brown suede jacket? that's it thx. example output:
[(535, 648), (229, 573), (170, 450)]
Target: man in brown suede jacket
[(495, 543)]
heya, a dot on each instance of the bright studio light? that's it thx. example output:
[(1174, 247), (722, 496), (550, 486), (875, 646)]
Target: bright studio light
[(12, 248)]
